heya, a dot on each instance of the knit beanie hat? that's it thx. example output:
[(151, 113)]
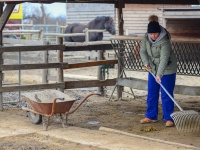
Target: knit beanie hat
[(153, 26)]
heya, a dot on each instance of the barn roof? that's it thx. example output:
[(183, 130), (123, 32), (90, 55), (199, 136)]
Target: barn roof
[(190, 2)]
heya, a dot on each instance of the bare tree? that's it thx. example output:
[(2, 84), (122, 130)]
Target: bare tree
[(44, 16), (39, 15)]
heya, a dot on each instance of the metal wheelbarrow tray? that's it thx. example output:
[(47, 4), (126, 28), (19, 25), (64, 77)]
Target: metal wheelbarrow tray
[(44, 104)]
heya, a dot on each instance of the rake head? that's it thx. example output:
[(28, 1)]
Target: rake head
[(186, 121)]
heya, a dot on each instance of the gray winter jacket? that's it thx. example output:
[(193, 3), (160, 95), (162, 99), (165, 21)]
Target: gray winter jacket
[(158, 54)]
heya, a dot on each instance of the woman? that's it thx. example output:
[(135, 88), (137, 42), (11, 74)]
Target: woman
[(157, 54)]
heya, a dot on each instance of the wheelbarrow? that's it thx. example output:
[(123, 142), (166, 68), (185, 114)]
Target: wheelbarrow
[(40, 106)]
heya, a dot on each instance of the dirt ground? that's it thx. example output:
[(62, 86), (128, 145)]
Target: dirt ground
[(123, 115), (96, 112)]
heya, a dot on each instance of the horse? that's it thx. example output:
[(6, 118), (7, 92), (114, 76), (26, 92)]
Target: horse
[(103, 22)]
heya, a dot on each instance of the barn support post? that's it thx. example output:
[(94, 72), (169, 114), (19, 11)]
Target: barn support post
[(1, 61), (120, 5), (60, 60), (45, 71), (164, 24), (4, 17), (99, 71)]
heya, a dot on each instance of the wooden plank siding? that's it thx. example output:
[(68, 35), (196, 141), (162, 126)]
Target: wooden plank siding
[(183, 22), (183, 27), (136, 18), (173, 17), (179, 20)]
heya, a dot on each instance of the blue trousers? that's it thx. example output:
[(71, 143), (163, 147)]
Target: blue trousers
[(168, 81)]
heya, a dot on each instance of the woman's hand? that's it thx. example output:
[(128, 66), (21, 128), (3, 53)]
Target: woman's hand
[(148, 66), (158, 79)]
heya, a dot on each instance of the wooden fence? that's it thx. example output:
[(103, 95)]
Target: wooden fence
[(61, 47)]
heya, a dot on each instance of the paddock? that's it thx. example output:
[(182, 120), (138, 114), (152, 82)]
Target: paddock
[(60, 83), (60, 49), (188, 63)]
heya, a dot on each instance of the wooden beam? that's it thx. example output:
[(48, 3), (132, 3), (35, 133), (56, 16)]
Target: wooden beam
[(89, 47), (33, 66), (1, 60), (31, 48), (32, 87), (120, 17), (182, 2), (34, 1), (89, 64), (6, 14), (89, 83), (21, 42)]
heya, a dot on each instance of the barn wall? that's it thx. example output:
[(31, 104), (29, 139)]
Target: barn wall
[(178, 21), (184, 27), (183, 22), (136, 17), (84, 13)]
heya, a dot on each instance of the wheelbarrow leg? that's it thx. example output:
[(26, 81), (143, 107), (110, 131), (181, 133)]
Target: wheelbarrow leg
[(63, 118), (45, 122)]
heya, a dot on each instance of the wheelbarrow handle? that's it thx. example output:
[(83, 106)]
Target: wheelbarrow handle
[(149, 70), (54, 105), (81, 102)]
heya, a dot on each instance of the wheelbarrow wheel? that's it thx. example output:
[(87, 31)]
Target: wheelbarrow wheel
[(33, 117)]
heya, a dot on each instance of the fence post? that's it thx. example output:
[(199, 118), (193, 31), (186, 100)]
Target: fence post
[(100, 76), (60, 59), (119, 88), (86, 35), (45, 71), (40, 35)]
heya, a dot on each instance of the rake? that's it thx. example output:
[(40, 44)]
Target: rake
[(185, 120)]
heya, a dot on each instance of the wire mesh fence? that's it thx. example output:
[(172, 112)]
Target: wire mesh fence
[(187, 53)]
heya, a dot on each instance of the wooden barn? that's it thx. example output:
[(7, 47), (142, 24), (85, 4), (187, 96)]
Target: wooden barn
[(180, 20)]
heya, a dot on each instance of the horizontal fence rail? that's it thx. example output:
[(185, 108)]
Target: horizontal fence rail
[(32, 87), (47, 36), (31, 48), (187, 53), (33, 66), (89, 64), (90, 83)]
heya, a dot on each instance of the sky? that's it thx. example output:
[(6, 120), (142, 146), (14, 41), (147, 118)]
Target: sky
[(55, 9)]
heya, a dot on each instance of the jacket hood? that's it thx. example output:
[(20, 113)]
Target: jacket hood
[(162, 34)]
